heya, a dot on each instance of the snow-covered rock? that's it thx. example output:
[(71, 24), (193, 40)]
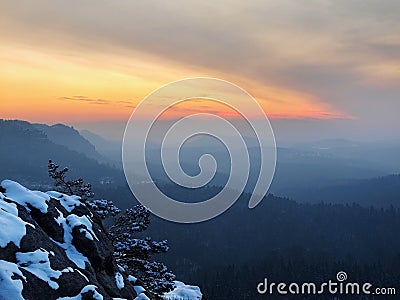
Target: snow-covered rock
[(52, 247), (183, 291)]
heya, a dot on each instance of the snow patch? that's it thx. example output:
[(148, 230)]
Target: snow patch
[(38, 264), (23, 196), (75, 221), (87, 234), (121, 269), (132, 279), (83, 275), (9, 220), (142, 297), (68, 202), (73, 255), (139, 289), (9, 286), (68, 270), (88, 288), (119, 280)]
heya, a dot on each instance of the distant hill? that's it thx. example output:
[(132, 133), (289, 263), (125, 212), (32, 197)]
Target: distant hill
[(26, 148), (378, 192), (111, 150), (60, 134), (69, 137)]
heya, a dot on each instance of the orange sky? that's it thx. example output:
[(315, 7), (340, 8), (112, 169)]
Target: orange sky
[(41, 85)]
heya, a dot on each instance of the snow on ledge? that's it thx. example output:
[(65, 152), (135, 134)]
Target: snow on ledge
[(21, 195), (9, 219)]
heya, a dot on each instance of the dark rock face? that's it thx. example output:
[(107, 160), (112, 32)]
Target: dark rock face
[(47, 221), (72, 251)]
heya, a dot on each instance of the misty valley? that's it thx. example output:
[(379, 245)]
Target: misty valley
[(333, 206)]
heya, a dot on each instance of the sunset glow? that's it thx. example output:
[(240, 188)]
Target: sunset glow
[(40, 86), (58, 66)]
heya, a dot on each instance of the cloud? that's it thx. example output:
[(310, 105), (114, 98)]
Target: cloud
[(127, 104)]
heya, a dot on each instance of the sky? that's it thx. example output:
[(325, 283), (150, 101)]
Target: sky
[(331, 67)]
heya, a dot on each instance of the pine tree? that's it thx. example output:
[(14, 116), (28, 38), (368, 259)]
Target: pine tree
[(136, 255), (103, 208), (133, 254)]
